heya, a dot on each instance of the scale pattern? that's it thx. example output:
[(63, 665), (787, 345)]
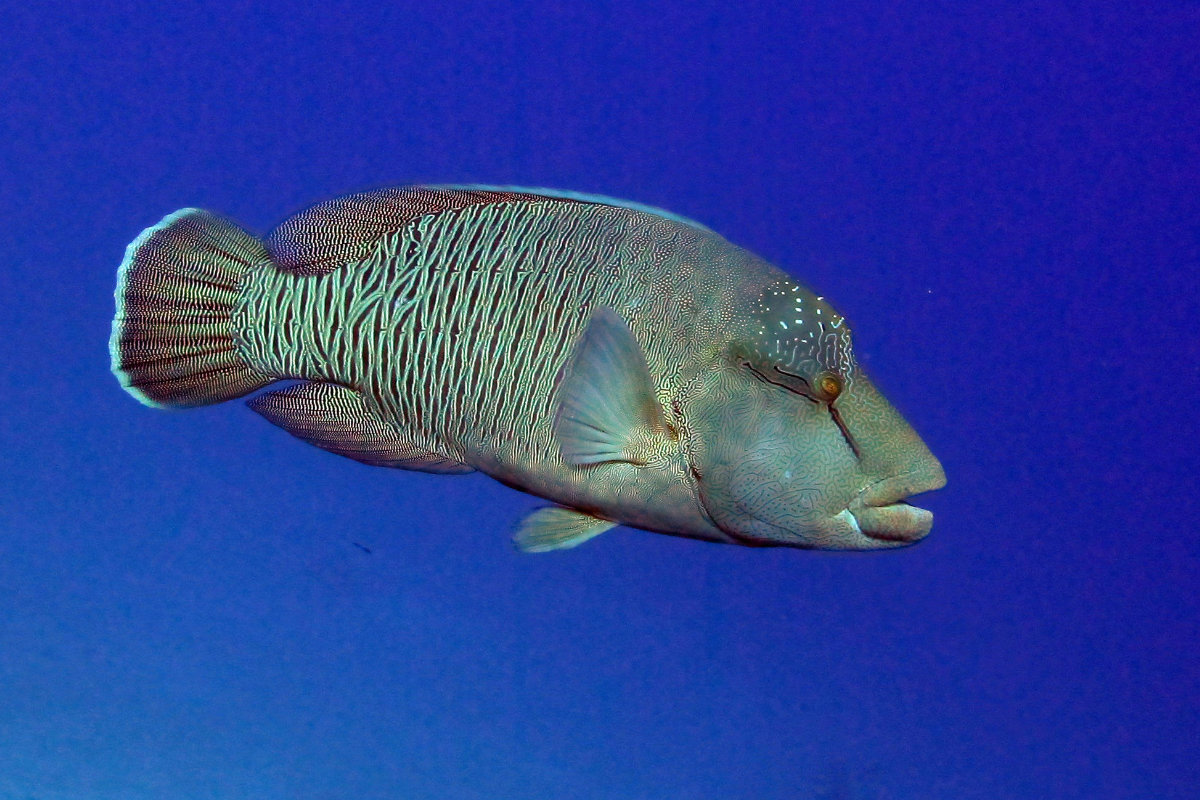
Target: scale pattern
[(457, 325)]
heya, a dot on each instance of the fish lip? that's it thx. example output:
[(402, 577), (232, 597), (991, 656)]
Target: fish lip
[(897, 488), (881, 509), (895, 522)]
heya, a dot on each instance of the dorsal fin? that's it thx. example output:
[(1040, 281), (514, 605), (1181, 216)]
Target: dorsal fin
[(579, 197), (337, 232)]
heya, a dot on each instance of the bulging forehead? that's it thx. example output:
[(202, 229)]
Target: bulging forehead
[(801, 331)]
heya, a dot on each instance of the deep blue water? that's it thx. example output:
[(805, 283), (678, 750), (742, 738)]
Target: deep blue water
[(1003, 200)]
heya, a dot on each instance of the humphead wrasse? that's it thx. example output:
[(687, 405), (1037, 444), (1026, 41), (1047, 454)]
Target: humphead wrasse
[(626, 364)]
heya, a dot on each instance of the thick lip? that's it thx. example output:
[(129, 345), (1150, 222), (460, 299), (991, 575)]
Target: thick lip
[(881, 512)]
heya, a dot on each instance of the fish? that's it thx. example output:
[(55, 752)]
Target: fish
[(628, 365)]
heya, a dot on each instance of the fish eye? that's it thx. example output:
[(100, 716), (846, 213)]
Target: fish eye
[(830, 385)]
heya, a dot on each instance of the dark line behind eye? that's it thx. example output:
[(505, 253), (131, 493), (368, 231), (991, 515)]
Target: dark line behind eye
[(837, 420), (792, 389), (800, 378)]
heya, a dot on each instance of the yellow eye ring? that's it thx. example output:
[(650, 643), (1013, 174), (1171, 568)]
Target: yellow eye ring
[(830, 385)]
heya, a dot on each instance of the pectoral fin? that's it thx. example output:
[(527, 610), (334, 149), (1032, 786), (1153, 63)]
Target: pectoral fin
[(607, 411), (339, 419), (557, 528)]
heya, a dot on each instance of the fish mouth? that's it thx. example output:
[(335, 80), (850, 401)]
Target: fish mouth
[(881, 511)]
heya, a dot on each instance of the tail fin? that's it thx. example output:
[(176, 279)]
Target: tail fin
[(173, 342)]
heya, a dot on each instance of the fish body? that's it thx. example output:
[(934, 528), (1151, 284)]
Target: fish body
[(629, 365)]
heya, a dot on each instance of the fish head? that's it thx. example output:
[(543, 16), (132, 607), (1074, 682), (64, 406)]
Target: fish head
[(791, 444)]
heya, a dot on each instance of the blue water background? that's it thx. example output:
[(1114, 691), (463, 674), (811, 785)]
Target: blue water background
[(1002, 198)]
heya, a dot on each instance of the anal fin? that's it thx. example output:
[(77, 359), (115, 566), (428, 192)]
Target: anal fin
[(339, 419), (558, 528)]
